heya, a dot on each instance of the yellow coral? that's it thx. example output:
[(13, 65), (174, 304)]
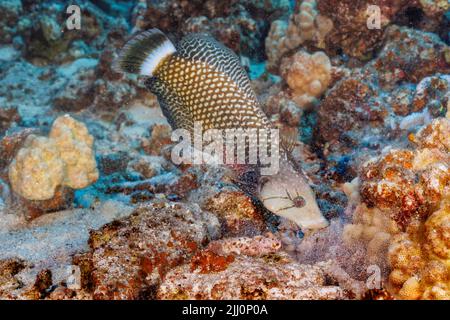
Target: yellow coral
[(437, 234), (75, 145), (305, 25), (274, 44), (37, 169), (65, 158), (421, 261), (434, 7), (307, 75), (373, 228)]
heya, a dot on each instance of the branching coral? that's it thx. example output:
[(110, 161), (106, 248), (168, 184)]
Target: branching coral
[(307, 75), (65, 158)]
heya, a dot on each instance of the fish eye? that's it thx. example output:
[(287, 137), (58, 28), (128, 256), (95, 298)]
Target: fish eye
[(299, 202)]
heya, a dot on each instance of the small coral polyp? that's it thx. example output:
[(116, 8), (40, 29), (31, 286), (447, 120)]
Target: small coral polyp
[(64, 158)]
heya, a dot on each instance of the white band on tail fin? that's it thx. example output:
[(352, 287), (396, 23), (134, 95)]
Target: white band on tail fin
[(144, 52), (155, 57)]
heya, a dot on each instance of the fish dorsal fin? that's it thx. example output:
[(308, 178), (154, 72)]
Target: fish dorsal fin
[(144, 52), (202, 47)]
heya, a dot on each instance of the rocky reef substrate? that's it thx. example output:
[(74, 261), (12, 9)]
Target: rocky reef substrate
[(91, 206)]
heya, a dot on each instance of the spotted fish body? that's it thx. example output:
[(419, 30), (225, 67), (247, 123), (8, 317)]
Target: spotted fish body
[(201, 80)]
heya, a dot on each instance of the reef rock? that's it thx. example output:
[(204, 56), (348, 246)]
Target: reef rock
[(240, 24), (237, 214), (406, 232), (129, 257), (411, 183), (377, 104), (229, 269)]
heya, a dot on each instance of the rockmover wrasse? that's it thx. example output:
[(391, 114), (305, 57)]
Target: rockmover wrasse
[(201, 80)]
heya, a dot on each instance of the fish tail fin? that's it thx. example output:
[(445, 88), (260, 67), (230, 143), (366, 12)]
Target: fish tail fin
[(144, 52)]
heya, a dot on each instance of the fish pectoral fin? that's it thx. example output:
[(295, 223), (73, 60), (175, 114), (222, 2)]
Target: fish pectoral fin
[(171, 105)]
